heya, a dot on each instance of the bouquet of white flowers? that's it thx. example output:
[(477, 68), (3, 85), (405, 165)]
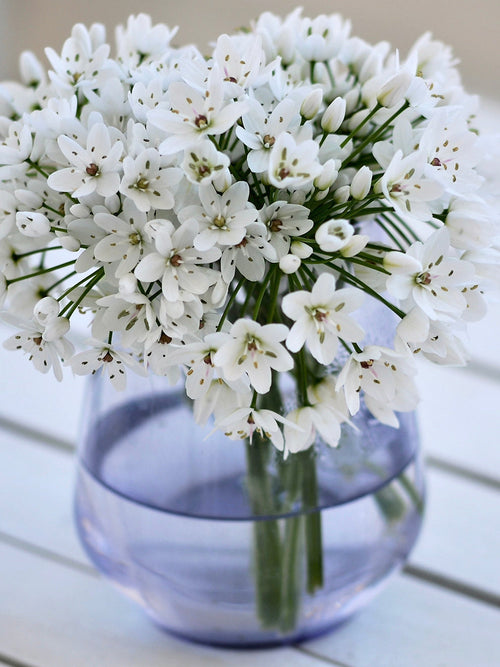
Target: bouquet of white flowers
[(226, 217)]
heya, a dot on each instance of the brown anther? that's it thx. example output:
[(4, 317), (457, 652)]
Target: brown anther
[(92, 169), (250, 419), (176, 260), (436, 162), (208, 359), (242, 243), (275, 225), (252, 347), (367, 364), (164, 339), (37, 340), (268, 141), (107, 357), (203, 169), (424, 278), (231, 79), (320, 315), (283, 173), (396, 188), (201, 121)]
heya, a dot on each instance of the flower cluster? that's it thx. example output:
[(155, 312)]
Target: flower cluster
[(230, 216)]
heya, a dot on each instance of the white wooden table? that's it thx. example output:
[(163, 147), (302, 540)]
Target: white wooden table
[(443, 610)]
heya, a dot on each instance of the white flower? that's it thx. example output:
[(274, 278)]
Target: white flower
[(113, 362), (222, 219), (203, 163), (219, 400), (437, 341), (126, 238), (95, 168), (254, 349), (334, 235), (321, 318), (284, 220), (407, 189), (386, 379), (16, 146), (147, 183), (261, 129), (194, 115), (176, 263), (428, 277), (249, 255), (32, 223), (246, 421), (471, 223), (323, 37), (45, 346), (293, 164)]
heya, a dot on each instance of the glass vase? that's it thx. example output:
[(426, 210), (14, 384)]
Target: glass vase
[(225, 542)]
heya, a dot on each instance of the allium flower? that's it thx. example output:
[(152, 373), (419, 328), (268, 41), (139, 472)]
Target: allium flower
[(177, 264), (146, 183), (255, 350), (111, 360), (386, 379), (321, 318), (95, 168), (428, 277), (194, 115)]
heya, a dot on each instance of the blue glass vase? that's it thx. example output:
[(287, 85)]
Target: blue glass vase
[(205, 533)]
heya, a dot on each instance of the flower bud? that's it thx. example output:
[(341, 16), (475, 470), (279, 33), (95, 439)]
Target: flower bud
[(321, 194), (334, 115), (32, 224), (361, 183), (351, 99), (394, 90), (127, 284), (56, 328), (32, 72), (301, 249), (328, 175), (46, 310), (290, 263), (342, 194), (69, 243), (333, 235), (311, 104), (355, 245)]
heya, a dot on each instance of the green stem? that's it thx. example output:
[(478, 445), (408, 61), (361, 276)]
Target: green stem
[(312, 522), (267, 541), (41, 272), (365, 120)]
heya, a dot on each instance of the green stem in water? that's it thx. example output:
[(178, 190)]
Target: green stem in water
[(267, 541), (312, 522)]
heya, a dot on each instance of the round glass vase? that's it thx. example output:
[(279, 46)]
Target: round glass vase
[(226, 543)]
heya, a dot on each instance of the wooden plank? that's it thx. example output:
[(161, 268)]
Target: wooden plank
[(460, 537), (413, 624), (483, 339), (53, 616), (459, 417), (36, 400), (36, 496)]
